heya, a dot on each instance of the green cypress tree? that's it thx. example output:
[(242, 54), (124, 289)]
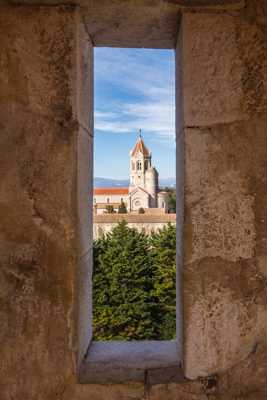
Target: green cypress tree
[(122, 208), (110, 209), (163, 251), (123, 303), (172, 201)]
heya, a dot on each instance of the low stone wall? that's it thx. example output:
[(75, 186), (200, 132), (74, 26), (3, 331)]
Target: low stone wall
[(142, 222)]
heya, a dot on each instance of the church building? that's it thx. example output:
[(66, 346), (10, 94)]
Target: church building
[(143, 191)]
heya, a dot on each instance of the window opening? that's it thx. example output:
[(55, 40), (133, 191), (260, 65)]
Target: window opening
[(134, 285)]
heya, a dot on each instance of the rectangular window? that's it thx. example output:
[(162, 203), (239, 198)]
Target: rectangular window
[(134, 271), (134, 287)]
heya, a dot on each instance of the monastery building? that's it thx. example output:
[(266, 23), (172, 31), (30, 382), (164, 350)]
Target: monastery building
[(143, 191)]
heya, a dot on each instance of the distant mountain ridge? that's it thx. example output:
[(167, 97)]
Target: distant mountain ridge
[(109, 182)]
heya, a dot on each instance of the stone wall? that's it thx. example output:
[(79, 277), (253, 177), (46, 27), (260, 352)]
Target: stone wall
[(222, 58), (45, 137), (46, 133), (142, 222)]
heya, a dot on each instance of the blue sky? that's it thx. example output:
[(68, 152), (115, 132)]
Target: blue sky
[(134, 88)]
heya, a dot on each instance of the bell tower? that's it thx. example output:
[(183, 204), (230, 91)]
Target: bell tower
[(140, 162)]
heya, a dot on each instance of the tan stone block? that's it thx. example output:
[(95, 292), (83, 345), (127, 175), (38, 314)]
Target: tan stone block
[(110, 392), (211, 69), (221, 322), (220, 216), (84, 196), (224, 191), (252, 46), (182, 391), (38, 75), (83, 77), (83, 310), (38, 137)]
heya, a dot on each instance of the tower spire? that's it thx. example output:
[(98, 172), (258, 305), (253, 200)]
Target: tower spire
[(140, 134)]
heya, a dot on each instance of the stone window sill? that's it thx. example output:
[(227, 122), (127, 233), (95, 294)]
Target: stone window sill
[(149, 362)]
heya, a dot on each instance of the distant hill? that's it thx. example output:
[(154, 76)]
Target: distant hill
[(108, 182), (167, 182)]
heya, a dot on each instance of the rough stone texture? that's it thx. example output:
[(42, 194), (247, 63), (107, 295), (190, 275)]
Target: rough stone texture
[(180, 164), (82, 100), (223, 64), (40, 140), (137, 361), (210, 56), (225, 271), (139, 23), (230, 65)]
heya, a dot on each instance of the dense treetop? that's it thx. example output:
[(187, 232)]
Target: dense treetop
[(134, 284)]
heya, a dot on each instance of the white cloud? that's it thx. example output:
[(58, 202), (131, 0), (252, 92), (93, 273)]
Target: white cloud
[(104, 114), (155, 118), (148, 77), (113, 127)]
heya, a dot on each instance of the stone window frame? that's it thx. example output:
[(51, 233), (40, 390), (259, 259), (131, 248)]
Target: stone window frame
[(147, 362)]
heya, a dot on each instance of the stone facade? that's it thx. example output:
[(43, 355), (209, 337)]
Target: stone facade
[(146, 223), (45, 96)]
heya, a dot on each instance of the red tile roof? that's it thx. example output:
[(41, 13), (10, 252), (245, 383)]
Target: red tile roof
[(140, 146), (111, 190)]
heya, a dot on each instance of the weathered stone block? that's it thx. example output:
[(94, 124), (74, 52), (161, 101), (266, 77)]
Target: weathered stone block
[(223, 62), (83, 312), (211, 69), (224, 188), (220, 204), (38, 247), (83, 78), (84, 193)]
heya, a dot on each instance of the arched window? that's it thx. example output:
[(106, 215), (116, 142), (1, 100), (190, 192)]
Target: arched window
[(138, 165), (108, 200)]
